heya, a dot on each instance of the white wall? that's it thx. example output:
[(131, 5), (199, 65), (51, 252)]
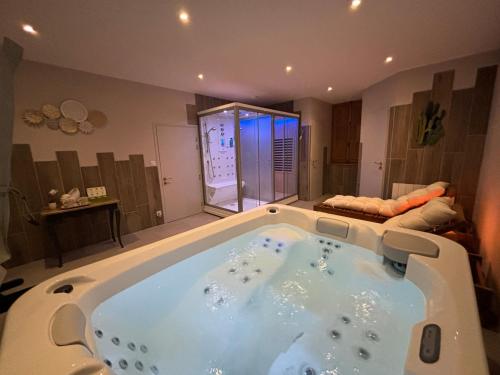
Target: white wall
[(396, 90), (318, 115), (487, 206), (131, 108)]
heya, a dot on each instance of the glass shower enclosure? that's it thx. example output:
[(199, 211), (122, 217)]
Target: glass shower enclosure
[(249, 157)]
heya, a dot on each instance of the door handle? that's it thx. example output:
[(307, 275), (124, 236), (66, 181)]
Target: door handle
[(379, 164), (167, 180)]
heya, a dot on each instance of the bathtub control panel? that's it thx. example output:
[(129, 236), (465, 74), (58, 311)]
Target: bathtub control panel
[(430, 344)]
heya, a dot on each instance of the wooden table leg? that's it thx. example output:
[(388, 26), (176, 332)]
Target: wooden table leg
[(55, 241), (118, 230), (111, 211)]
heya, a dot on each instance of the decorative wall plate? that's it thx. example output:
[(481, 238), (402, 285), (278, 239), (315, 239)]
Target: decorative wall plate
[(51, 111), (86, 127), (52, 124), (33, 117), (74, 110), (68, 125), (97, 118)]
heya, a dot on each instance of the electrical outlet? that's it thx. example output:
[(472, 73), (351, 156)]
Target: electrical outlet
[(159, 213)]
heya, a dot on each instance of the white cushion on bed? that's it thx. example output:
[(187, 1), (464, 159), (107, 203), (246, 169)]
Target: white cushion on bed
[(389, 207), (435, 212)]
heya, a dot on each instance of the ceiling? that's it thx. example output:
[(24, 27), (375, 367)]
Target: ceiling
[(243, 46)]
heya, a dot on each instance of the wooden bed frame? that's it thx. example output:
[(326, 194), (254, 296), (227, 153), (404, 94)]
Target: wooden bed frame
[(350, 213)]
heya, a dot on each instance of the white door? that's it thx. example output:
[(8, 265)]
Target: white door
[(180, 175)]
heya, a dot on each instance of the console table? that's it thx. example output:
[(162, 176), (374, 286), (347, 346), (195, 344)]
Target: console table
[(52, 217)]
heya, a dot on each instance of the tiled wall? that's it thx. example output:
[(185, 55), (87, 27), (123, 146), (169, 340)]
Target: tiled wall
[(457, 156), (223, 155), (135, 185)]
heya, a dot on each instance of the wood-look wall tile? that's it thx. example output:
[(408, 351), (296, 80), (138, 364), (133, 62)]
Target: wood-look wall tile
[(386, 193), (145, 213), (132, 222), (99, 218), (107, 171), (139, 179), (24, 175), (390, 133), (401, 126), (419, 103), (125, 186), (66, 230), (49, 178), (474, 146), (15, 219), (467, 202), (18, 244), (325, 172), (451, 167), (396, 173), (350, 175), (154, 194), (458, 121), (431, 163), (413, 169), (71, 175), (204, 102), (442, 88), (38, 239), (481, 102), (91, 177), (101, 226), (191, 114)]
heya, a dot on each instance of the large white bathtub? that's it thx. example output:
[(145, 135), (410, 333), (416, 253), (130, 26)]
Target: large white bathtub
[(275, 290)]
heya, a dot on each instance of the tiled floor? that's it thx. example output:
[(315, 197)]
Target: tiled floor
[(36, 272)]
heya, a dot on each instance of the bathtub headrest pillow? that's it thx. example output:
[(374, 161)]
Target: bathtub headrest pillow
[(68, 326)]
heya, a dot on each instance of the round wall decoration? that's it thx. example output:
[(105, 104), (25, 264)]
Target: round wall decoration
[(97, 118), (68, 126), (33, 117), (74, 110), (86, 127), (52, 124), (51, 111)]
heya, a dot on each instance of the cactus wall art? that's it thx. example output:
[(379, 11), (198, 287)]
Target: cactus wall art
[(430, 125)]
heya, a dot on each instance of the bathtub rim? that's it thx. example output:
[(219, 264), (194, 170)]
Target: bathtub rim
[(445, 279)]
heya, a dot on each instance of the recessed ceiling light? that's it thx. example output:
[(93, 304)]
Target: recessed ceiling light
[(388, 59), (288, 68), (184, 16), (330, 88), (355, 4), (29, 29), (201, 76)]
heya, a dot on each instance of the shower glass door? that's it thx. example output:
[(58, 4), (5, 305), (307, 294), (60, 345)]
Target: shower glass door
[(285, 156), (256, 158), (219, 159)]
